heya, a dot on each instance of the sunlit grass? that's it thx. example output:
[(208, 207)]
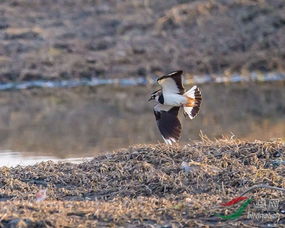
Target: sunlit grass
[(146, 183)]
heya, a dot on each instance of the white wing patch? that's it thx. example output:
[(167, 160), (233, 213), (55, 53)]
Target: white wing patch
[(169, 141), (191, 92), (188, 111), (168, 85)]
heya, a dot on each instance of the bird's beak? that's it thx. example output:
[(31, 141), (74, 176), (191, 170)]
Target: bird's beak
[(150, 99)]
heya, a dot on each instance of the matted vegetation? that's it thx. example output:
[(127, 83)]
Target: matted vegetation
[(146, 185)]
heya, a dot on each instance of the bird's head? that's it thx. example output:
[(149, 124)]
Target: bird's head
[(155, 95)]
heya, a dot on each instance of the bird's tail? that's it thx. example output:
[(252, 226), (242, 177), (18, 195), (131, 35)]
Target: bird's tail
[(194, 99)]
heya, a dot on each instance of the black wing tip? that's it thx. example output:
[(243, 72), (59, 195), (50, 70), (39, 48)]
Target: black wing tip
[(175, 134), (179, 71), (198, 102), (172, 137), (171, 74), (195, 111), (169, 126)]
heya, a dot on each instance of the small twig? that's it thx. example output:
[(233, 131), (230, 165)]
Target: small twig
[(223, 189), (262, 186)]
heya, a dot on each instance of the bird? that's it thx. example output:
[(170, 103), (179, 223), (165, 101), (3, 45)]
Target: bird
[(169, 99)]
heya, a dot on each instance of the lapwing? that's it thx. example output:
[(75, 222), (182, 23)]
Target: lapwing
[(169, 99)]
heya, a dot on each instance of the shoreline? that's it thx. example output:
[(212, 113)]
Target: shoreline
[(144, 185)]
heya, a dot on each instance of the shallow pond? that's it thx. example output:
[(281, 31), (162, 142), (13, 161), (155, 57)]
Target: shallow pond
[(50, 123)]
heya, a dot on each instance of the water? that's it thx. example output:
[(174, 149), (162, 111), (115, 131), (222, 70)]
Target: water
[(195, 79), (60, 122), (12, 159), (70, 83)]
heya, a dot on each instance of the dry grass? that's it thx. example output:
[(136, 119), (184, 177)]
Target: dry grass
[(144, 185)]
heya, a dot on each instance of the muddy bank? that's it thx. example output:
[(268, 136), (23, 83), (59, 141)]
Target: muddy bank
[(147, 185), (110, 39)]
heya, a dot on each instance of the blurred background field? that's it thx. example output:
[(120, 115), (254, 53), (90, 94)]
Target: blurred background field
[(96, 38), (71, 40)]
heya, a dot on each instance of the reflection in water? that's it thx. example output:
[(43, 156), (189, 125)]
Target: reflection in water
[(84, 121)]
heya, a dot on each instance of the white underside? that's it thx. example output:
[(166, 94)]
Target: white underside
[(174, 99)]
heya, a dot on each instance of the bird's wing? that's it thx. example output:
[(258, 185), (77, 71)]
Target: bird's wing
[(172, 83), (168, 122)]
